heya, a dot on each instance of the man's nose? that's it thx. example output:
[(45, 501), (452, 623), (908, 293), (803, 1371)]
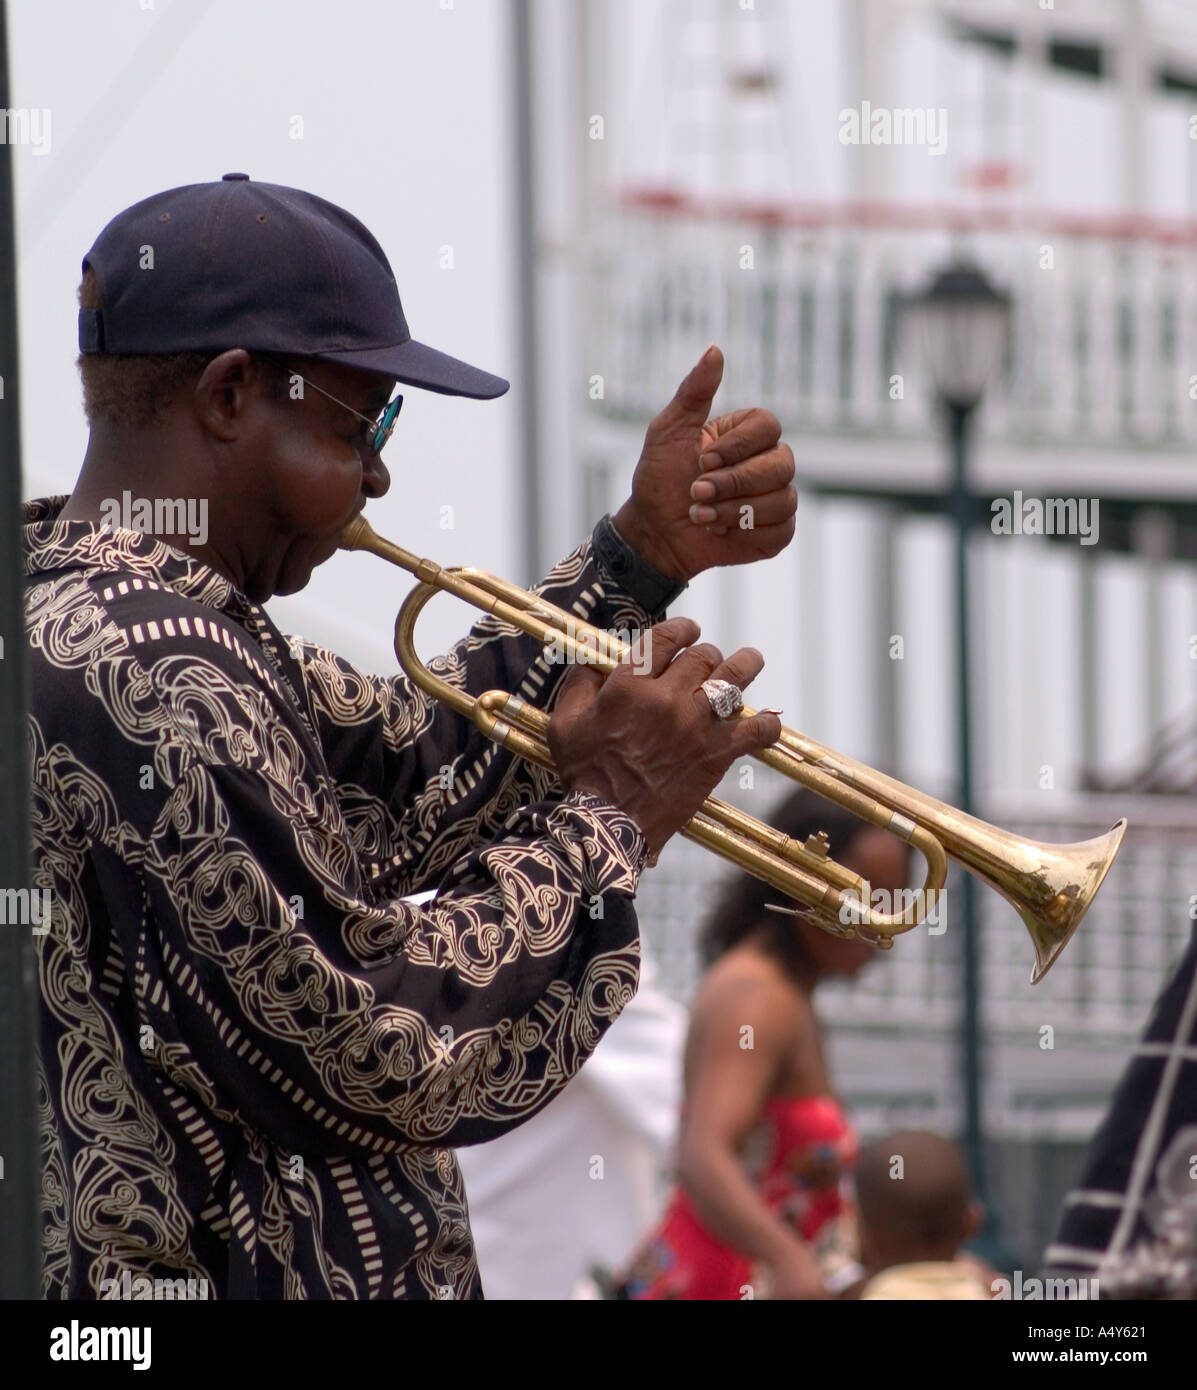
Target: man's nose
[(376, 481)]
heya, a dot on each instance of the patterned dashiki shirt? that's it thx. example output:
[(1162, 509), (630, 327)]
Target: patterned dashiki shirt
[(255, 1057)]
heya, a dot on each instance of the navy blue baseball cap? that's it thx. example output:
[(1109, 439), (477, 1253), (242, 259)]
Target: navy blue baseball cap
[(213, 266)]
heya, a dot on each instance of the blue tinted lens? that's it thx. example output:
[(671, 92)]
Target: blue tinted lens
[(386, 424)]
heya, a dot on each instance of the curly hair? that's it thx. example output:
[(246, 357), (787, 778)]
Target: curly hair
[(739, 907)]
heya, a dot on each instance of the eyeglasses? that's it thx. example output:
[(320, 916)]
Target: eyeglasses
[(382, 427)]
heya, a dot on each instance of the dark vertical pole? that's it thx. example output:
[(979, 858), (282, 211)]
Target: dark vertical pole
[(1091, 757), (889, 752), (970, 1021), (523, 71), (20, 1255)]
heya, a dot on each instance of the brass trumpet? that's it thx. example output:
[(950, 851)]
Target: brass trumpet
[(1050, 886)]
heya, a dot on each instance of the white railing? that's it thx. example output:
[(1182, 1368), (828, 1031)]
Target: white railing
[(894, 1030), (1102, 986), (804, 301)]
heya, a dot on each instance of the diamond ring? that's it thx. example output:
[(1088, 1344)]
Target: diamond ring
[(727, 700)]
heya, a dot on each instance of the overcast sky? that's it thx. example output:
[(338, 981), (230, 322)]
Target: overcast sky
[(405, 121)]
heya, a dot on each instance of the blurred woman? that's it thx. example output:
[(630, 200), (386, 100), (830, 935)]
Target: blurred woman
[(764, 1150)]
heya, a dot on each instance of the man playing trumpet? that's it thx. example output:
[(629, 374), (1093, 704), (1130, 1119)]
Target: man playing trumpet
[(255, 1057)]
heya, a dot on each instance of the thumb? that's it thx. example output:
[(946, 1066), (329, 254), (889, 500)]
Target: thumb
[(691, 404), (750, 733)]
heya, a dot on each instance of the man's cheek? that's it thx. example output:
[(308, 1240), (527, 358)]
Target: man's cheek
[(322, 496)]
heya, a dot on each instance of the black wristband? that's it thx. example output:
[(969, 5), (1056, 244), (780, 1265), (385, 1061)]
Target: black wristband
[(627, 568)]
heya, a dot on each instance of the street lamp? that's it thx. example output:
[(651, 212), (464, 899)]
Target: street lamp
[(964, 323)]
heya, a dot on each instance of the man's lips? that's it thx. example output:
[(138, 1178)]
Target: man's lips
[(352, 517)]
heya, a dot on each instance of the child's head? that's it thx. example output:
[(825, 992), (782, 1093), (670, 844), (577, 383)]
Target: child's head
[(912, 1193)]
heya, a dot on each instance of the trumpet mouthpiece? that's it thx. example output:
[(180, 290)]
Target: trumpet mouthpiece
[(354, 533)]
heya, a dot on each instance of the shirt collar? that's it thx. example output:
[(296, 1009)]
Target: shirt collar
[(52, 545)]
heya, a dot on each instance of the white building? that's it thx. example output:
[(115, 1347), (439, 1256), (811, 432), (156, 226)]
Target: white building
[(703, 174)]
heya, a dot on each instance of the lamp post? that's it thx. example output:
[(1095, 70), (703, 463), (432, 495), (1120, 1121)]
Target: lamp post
[(964, 323)]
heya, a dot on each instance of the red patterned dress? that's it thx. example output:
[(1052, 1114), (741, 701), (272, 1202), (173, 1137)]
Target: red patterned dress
[(800, 1158)]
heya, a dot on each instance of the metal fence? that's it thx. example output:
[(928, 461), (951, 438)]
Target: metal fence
[(1052, 1053)]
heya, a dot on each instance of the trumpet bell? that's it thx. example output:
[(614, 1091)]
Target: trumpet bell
[(1052, 886)]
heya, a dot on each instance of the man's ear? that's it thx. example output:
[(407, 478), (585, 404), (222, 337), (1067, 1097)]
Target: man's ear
[(974, 1219), (224, 393)]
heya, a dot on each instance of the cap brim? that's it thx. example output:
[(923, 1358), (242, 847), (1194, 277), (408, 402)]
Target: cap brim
[(417, 364)]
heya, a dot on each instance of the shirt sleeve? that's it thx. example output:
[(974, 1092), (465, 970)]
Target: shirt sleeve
[(418, 782), (291, 996)]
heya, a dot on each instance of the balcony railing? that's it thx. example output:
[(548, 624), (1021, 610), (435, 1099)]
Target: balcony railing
[(1101, 986), (804, 300)]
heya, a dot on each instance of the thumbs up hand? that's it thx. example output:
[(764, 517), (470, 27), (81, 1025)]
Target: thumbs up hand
[(709, 492)]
